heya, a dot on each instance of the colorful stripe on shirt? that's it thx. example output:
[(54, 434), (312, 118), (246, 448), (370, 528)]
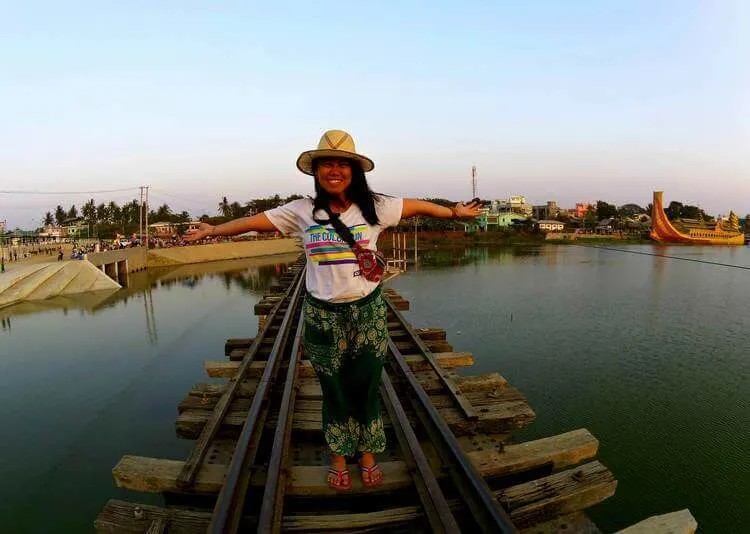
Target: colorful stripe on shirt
[(325, 247)]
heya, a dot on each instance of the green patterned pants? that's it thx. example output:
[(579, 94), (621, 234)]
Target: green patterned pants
[(346, 344)]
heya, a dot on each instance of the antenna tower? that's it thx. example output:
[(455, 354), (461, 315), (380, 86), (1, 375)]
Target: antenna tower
[(473, 181)]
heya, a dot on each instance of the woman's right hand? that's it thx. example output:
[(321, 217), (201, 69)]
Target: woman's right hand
[(203, 230)]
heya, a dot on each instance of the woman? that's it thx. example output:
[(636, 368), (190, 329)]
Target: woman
[(345, 314)]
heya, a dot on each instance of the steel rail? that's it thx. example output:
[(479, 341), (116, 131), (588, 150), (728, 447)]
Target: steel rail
[(458, 399), (436, 507), (272, 507), (192, 465), (486, 510), (230, 503)]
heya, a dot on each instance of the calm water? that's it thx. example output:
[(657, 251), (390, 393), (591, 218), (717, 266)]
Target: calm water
[(649, 354)]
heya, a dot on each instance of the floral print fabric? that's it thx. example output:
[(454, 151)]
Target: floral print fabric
[(346, 344)]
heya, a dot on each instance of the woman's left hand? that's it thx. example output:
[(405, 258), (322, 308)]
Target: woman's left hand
[(470, 210)]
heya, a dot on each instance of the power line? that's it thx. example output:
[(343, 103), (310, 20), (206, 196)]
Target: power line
[(66, 192), (178, 196), (743, 267)]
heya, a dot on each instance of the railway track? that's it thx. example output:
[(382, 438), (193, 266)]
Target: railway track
[(259, 461)]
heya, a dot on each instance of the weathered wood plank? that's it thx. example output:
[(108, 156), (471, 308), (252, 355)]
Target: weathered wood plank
[(447, 360), (530, 503), (156, 475), (563, 450), (309, 390), (558, 494), (237, 354), (119, 517), (426, 334), (493, 419), (576, 523), (681, 522), (310, 387)]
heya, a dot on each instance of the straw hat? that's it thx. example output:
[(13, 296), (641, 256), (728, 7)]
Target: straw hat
[(333, 144)]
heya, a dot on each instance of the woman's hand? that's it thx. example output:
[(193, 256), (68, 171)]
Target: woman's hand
[(203, 230), (467, 211)]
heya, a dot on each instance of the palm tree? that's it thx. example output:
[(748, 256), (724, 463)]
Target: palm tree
[(60, 215), (225, 208), (163, 213), (102, 213), (236, 210), (89, 211), (115, 213)]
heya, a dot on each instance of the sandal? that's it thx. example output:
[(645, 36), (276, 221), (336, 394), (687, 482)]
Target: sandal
[(341, 481), (371, 472)]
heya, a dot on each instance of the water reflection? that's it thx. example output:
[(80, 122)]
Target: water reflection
[(250, 275), (455, 257)]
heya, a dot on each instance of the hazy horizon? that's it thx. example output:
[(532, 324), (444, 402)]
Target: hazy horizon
[(569, 102)]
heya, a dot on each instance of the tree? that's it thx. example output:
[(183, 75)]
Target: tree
[(590, 217), (72, 212), (605, 210), (236, 210), (163, 213), (674, 210), (115, 213), (102, 213), (60, 215), (89, 211), (225, 207), (48, 219), (630, 210)]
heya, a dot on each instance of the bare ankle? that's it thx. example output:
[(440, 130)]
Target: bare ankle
[(338, 462)]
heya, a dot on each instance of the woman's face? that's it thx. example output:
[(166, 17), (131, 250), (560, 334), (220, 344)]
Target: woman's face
[(334, 175)]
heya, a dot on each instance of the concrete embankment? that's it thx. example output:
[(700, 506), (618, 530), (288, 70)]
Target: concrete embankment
[(43, 280), (221, 251), (130, 260)]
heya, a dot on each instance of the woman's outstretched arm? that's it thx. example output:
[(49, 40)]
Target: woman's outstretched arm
[(414, 207), (257, 223)]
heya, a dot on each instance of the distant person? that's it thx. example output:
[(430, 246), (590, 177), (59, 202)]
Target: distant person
[(2, 264), (345, 313), (60, 255)]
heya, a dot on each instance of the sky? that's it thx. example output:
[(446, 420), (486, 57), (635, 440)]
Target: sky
[(569, 101)]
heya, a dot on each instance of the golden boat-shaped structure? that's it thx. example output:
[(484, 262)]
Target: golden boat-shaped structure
[(724, 232)]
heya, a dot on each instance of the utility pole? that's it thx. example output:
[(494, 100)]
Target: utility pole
[(146, 218), (140, 216), (473, 181)]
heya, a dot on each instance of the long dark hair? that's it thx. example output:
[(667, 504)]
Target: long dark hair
[(358, 192)]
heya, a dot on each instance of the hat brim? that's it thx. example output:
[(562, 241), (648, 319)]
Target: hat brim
[(304, 161)]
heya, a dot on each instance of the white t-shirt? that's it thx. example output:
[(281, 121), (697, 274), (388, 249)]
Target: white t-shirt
[(332, 269)]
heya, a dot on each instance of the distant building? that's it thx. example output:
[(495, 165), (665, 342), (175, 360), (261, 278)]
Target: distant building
[(501, 220), (550, 210), (51, 233), (74, 227), (515, 204), (604, 226), (582, 208), (167, 230), (550, 226)]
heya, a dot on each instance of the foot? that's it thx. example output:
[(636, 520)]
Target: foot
[(370, 470), (338, 475)]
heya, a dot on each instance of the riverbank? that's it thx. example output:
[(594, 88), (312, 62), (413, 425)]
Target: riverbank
[(138, 259), (495, 239)]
